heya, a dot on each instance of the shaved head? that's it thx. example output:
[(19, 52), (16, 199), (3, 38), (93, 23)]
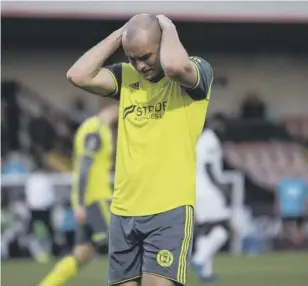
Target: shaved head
[(140, 26), (141, 42)]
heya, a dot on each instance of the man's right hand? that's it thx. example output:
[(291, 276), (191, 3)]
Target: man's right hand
[(81, 214), (87, 72)]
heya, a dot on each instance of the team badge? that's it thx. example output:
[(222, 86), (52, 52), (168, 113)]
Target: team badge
[(164, 258)]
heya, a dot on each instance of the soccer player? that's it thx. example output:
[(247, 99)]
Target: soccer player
[(212, 211), (163, 96), (91, 194)]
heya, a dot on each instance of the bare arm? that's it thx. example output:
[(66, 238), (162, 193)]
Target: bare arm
[(87, 73), (173, 56)]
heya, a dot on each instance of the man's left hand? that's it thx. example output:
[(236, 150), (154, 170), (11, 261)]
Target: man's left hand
[(164, 22)]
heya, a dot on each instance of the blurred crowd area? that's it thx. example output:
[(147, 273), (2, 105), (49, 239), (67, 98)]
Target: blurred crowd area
[(34, 133), (258, 110)]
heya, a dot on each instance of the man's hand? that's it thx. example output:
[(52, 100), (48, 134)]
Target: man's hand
[(81, 214), (165, 22), (87, 72), (173, 56)]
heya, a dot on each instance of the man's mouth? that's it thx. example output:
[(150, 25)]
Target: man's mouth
[(146, 72)]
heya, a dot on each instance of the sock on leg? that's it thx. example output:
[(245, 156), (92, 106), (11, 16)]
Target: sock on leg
[(215, 240), (207, 269), (199, 255), (63, 272)]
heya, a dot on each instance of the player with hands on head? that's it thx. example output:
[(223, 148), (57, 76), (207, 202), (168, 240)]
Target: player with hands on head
[(163, 98)]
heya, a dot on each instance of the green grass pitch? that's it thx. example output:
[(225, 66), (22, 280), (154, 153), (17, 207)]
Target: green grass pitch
[(281, 269)]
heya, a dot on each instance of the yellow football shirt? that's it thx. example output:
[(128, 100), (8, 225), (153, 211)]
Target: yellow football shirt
[(159, 124), (94, 140)]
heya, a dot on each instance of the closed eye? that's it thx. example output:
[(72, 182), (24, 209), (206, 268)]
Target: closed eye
[(144, 57)]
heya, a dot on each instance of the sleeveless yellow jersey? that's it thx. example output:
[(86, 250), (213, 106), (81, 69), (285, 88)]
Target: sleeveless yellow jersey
[(159, 124), (94, 140)]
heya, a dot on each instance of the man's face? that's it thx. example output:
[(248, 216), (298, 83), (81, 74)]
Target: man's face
[(143, 54)]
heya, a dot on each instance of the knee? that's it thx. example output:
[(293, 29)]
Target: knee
[(83, 253)]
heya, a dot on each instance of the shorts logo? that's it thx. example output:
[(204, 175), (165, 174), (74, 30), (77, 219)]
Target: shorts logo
[(164, 258)]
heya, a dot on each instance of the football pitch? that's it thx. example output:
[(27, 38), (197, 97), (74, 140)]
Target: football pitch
[(283, 269)]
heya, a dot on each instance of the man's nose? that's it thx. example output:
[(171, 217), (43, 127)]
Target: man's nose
[(140, 65)]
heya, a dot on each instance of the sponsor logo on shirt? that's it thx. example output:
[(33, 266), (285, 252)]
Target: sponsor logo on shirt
[(145, 112)]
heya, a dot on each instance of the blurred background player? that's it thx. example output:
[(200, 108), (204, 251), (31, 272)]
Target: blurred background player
[(292, 204), (91, 193), (212, 211), (40, 200)]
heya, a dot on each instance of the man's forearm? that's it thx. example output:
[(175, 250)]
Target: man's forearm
[(89, 64), (216, 180), (213, 176), (173, 55)]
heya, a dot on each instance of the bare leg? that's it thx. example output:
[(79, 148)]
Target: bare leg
[(153, 280)]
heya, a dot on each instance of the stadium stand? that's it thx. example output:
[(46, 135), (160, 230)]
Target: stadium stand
[(34, 127), (264, 151), (297, 126)]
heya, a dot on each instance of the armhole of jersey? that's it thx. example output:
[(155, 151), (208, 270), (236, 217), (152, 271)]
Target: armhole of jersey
[(208, 95), (116, 73), (198, 76), (202, 89), (116, 84)]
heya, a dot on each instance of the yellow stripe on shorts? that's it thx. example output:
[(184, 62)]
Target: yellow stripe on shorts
[(188, 229)]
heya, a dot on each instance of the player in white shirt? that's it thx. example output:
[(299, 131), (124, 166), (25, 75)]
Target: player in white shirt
[(40, 199), (212, 211)]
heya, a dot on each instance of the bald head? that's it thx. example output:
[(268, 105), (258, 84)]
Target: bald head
[(142, 27), (141, 43)]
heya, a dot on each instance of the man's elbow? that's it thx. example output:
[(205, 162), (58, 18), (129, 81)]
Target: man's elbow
[(75, 77), (176, 70)]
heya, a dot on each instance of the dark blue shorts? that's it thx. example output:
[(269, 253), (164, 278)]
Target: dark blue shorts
[(157, 244)]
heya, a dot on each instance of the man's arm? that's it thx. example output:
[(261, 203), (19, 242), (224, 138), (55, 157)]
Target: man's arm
[(92, 144), (216, 179), (189, 73), (214, 169), (210, 155), (87, 73)]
